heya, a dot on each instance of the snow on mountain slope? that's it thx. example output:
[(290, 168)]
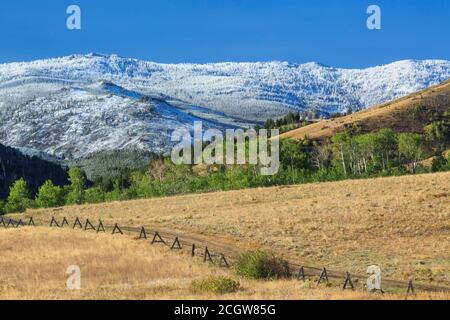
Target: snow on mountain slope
[(78, 120), (81, 104)]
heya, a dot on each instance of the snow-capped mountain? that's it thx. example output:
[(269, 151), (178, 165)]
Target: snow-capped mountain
[(80, 104)]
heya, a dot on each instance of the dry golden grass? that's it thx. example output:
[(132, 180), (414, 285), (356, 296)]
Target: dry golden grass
[(401, 224), (34, 263), (396, 115)]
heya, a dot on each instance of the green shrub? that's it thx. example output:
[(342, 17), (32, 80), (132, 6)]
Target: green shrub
[(440, 164), (216, 285), (2, 205), (261, 265)]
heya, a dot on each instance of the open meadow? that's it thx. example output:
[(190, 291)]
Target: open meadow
[(401, 224), (34, 262)]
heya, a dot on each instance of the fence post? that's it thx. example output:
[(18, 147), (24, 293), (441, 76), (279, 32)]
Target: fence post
[(64, 222), (348, 282), (10, 223), (193, 250), (54, 222), (20, 223), (31, 222), (117, 229), (301, 274), (323, 276), (143, 234), (160, 240), (223, 261), (88, 223), (207, 256), (2, 222), (410, 289), (100, 227), (77, 223), (176, 245)]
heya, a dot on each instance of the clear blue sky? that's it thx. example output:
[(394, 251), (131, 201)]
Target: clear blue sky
[(331, 32)]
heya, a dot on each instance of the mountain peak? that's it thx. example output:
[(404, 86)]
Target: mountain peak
[(82, 104)]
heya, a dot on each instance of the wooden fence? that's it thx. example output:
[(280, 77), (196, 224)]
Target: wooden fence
[(209, 255)]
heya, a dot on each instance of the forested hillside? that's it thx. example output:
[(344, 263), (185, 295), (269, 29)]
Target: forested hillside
[(15, 165), (109, 165)]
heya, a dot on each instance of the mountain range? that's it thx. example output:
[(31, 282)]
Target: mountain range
[(78, 105)]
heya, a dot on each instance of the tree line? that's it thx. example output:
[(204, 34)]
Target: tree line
[(345, 155)]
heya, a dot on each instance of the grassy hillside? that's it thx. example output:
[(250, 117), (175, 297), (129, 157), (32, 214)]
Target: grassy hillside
[(399, 223), (34, 264), (408, 114)]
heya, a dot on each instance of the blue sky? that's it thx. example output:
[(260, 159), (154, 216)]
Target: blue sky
[(332, 32)]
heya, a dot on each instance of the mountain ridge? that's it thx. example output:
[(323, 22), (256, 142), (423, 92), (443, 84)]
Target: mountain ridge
[(77, 105), (407, 114)]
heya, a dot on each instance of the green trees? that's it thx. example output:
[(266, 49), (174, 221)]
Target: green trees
[(292, 154), (346, 154), (410, 146), (94, 195), (77, 179), (438, 133), (440, 163), (291, 121), (15, 165), (340, 145), (49, 196), (385, 144), (362, 154), (321, 156), (19, 197)]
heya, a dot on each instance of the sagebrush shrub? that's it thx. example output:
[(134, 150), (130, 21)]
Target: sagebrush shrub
[(216, 285), (261, 265)]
